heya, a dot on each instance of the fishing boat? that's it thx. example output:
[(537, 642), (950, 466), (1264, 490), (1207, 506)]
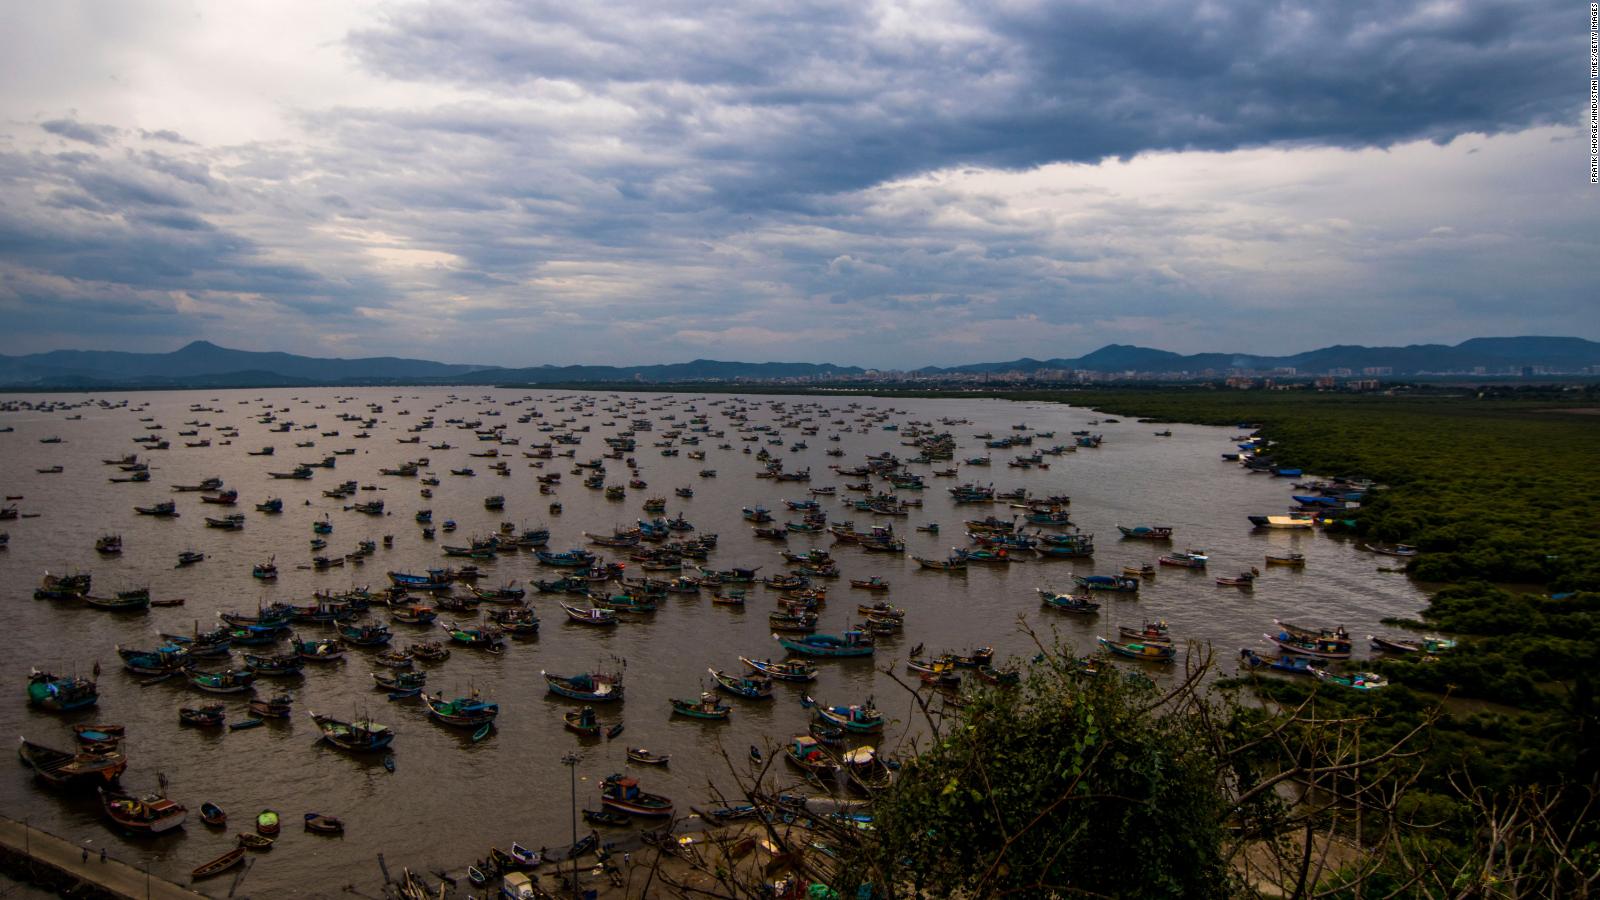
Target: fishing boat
[(281, 665), (793, 670), (229, 681), (1067, 602), (371, 635), (1156, 631), (1188, 559), (952, 564), (61, 693), (488, 639), (588, 686), (583, 721), (317, 823), (252, 841), (210, 716), (860, 719), (1282, 522), (219, 865), (1146, 532), (166, 509), (709, 706), (321, 650), (1322, 643), (429, 651), (124, 601), (142, 813), (999, 677), (462, 712), (163, 660), (622, 793), (1116, 583), (1144, 570), (1149, 651), (1360, 681), (599, 616), (400, 681), (361, 736), (851, 644), (1429, 644), (1404, 551), (756, 688), (806, 753), (1243, 580), (212, 815), (275, 707), (60, 769), (645, 757), (1288, 663), (1295, 560)]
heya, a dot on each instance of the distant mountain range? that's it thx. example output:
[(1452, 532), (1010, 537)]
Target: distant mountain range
[(203, 364)]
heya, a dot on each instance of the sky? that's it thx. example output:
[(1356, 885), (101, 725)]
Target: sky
[(887, 184)]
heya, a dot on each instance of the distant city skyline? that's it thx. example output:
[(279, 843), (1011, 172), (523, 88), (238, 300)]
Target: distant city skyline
[(888, 185)]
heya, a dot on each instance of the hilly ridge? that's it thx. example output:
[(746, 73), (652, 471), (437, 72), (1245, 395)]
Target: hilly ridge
[(203, 364)]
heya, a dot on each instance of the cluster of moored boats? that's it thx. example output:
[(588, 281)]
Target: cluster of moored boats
[(659, 557)]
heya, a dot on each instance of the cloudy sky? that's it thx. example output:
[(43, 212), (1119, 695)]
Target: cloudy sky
[(873, 183)]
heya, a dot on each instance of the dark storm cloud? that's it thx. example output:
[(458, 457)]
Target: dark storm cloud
[(823, 97), (87, 132)]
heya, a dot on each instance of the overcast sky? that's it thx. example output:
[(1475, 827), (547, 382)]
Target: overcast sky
[(887, 184)]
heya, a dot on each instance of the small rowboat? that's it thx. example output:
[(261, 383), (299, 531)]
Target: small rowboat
[(645, 757), (219, 865), (252, 841), (212, 815), (318, 823)]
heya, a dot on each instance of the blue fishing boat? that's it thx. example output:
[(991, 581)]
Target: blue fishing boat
[(279, 665), (163, 660), (851, 643), (577, 558), (61, 694), (1284, 662), (365, 635), (1117, 583), (462, 712), (860, 719), (435, 580), (320, 650)]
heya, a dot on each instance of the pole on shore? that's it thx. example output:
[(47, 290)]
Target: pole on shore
[(570, 760)]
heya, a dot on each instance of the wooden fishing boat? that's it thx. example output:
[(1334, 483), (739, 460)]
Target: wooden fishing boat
[(622, 793), (252, 841), (588, 686), (1295, 560), (369, 635), (486, 639), (1322, 643), (646, 758), (1149, 651), (211, 716), (1150, 632), (858, 719), (61, 693), (806, 753), (1291, 664), (952, 564), (850, 644), (319, 650), (583, 721), (219, 865), (462, 712), (60, 769), (1429, 644), (1140, 571), (361, 736), (1188, 559), (400, 681), (756, 688), (317, 823), (1067, 602), (1115, 583), (230, 681), (1360, 681), (429, 651), (794, 670), (598, 616), (278, 706), (1243, 581), (280, 665), (792, 623), (999, 677), (142, 813), (1146, 532), (1282, 522), (707, 707)]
